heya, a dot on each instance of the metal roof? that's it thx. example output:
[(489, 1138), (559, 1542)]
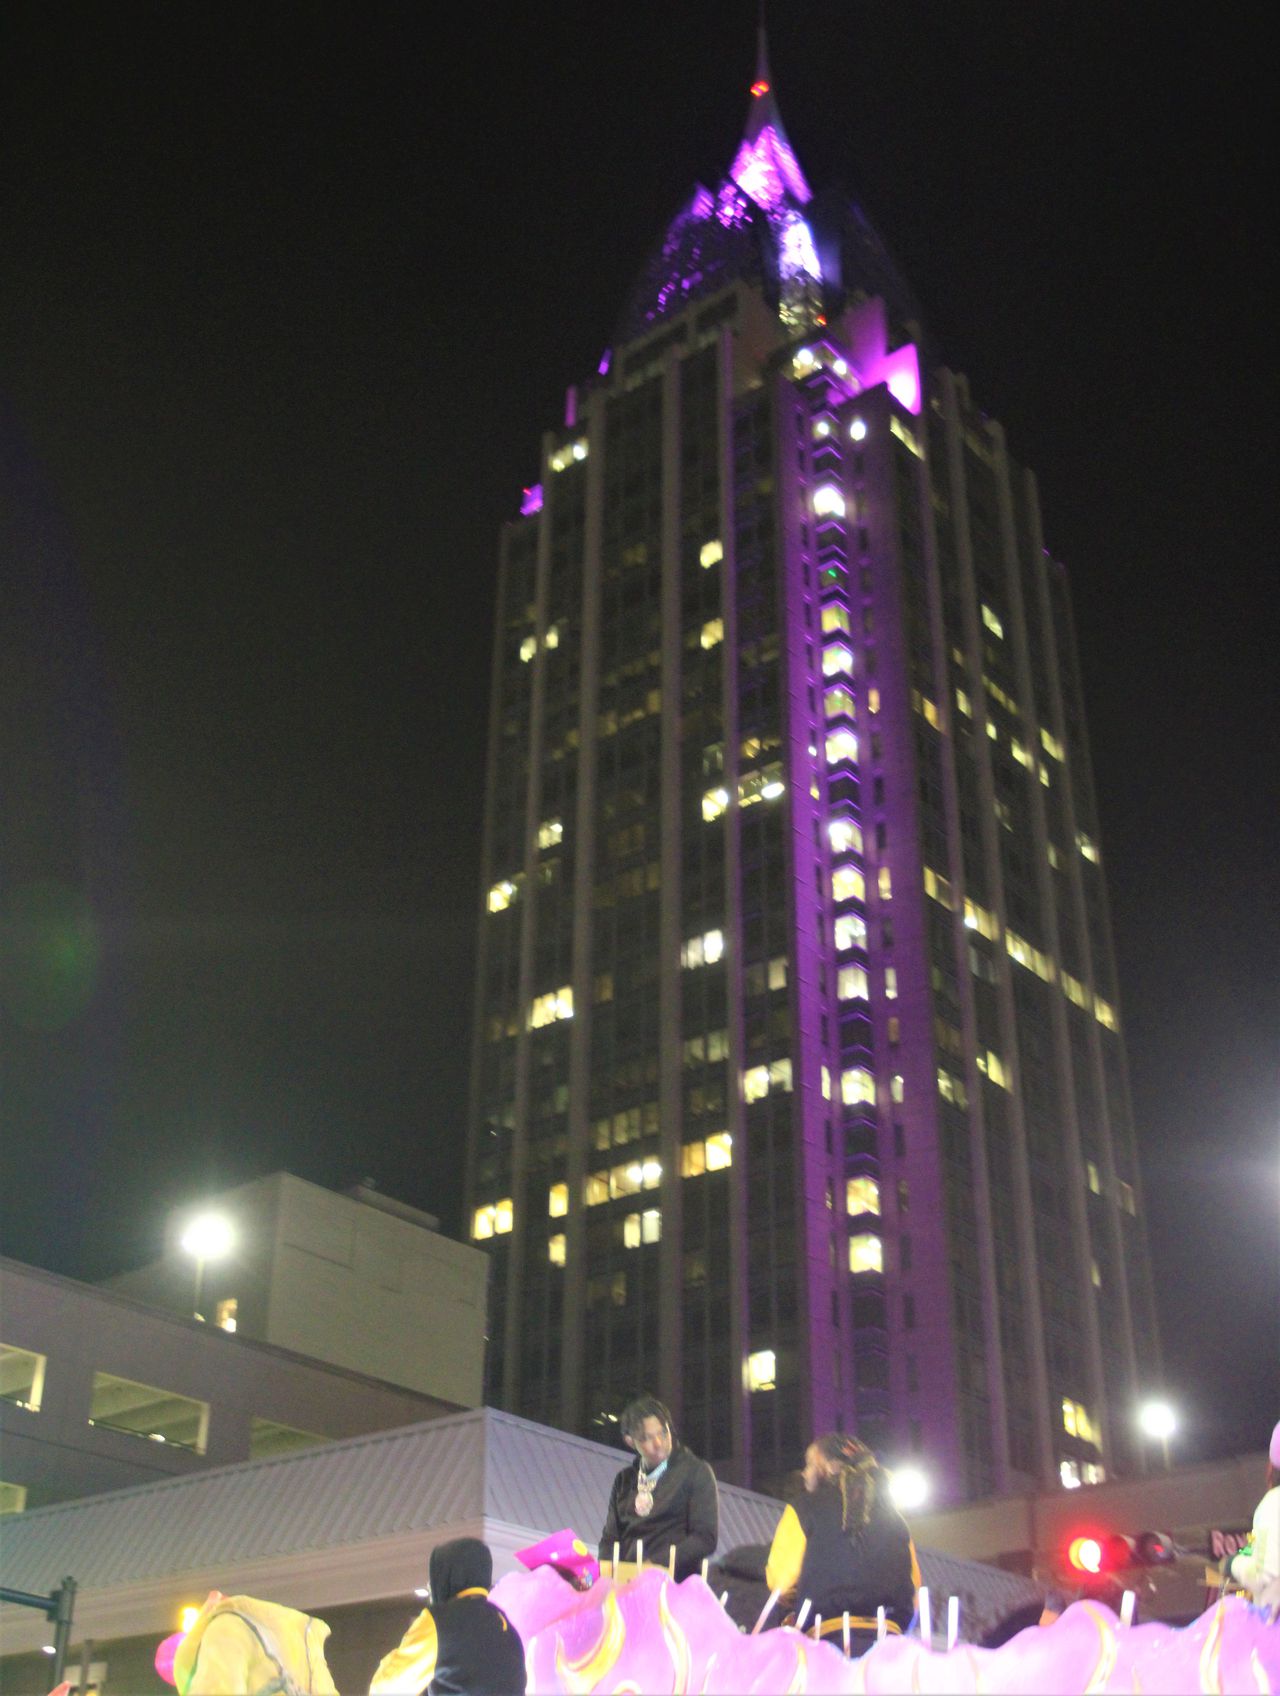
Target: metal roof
[(447, 1471), (475, 1470)]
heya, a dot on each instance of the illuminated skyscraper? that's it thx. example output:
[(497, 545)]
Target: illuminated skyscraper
[(799, 1090)]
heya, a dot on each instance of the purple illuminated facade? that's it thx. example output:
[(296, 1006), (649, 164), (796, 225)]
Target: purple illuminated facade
[(799, 1093)]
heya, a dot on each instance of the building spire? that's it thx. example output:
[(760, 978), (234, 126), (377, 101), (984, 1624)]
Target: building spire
[(765, 166), (763, 78)]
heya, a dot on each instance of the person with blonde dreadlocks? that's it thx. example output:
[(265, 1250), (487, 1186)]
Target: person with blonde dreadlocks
[(844, 1547)]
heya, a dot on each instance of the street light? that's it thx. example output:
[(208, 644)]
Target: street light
[(909, 1488), (209, 1236), (1157, 1419)]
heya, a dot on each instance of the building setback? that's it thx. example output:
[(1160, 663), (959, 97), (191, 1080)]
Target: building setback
[(799, 1090)]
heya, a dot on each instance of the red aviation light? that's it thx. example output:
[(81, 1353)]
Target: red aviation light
[(759, 88), (1084, 1554)]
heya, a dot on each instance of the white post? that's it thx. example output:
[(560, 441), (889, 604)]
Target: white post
[(953, 1621), (926, 1617), (765, 1611)]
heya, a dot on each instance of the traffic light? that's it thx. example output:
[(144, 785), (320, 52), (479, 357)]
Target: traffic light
[(1094, 1553)]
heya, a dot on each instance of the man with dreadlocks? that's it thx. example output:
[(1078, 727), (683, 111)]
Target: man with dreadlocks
[(844, 1547)]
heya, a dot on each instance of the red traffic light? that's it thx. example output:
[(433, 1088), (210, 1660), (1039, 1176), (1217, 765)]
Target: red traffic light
[(1098, 1552), (1084, 1554)]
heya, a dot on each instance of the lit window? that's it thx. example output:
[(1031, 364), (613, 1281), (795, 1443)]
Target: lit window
[(762, 1370), (547, 1009), (1087, 846), (891, 983), (1128, 1200), (21, 1377), (906, 437), (842, 745), (896, 1086), (981, 919), (1104, 1013), (763, 785), (835, 617), (719, 1151), (780, 1075), (492, 1221), (568, 455), (703, 950), (951, 1089), (693, 1160), (861, 1195), (712, 633), (992, 623), (1092, 1473), (822, 427), (826, 1082), (828, 502), (992, 732), (755, 1083), (1029, 956), (964, 703), (225, 1312), (837, 660), (858, 430), (640, 1228), (1091, 1175), (1095, 1275), (528, 648), (552, 637), (1069, 1474), (866, 1253), (1051, 745), (502, 895), (838, 703), (938, 888), (844, 835), (714, 802), (13, 1497), (852, 983), (778, 972), (144, 1411), (558, 1200), (595, 1189), (550, 833), (1076, 1421), (856, 1086), (711, 553), (1074, 990), (885, 883), (848, 884), (1019, 752), (992, 1066), (851, 931), (556, 1249)]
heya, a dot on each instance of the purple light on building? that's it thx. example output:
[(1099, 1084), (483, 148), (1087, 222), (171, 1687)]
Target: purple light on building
[(765, 168), (602, 370), (531, 500)]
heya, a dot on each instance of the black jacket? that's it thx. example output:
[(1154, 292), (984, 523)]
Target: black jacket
[(686, 1512), (855, 1571), (462, 1643)]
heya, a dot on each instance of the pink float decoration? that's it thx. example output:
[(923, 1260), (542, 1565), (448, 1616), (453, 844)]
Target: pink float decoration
[(165, 1655), (653, 1635)]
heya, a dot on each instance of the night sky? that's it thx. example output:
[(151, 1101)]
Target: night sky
[(288, 296)]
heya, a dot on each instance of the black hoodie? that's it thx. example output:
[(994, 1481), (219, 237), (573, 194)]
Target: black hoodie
[(462, 1644)]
